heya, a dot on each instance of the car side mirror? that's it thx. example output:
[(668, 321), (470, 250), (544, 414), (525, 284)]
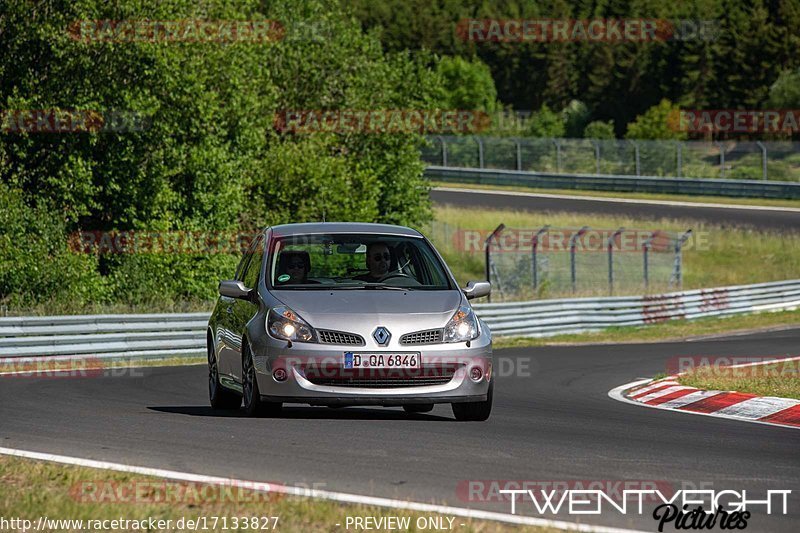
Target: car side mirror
[(234, 289), (477, 289)]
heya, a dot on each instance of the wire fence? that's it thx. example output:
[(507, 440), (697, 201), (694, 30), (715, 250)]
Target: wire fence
[(767, 160), (549, 262)]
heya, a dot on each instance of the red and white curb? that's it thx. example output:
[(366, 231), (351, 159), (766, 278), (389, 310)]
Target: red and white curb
[(668, 393)]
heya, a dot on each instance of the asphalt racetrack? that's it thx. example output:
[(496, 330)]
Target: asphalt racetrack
[(770, 220), (552, 421)]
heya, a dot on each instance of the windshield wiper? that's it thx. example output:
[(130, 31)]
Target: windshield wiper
[(388, 287)]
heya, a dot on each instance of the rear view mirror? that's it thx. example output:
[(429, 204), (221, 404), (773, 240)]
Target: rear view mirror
[(477, 289), (351, 248), (234, 289)]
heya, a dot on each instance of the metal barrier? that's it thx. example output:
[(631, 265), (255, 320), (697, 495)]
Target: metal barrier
[(578, 315), (170, 335), (618, 183), (104, 336)]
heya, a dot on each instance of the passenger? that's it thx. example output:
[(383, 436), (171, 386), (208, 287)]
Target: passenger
[(379, 260)]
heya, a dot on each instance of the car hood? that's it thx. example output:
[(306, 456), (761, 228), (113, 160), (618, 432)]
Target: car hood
[(360, 311)]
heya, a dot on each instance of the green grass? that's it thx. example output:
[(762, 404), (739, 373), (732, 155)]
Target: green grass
[(781, 380), (767, 202), (671, 330), (30, 489)]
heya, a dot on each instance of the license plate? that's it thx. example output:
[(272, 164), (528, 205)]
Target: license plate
[(382, 360)]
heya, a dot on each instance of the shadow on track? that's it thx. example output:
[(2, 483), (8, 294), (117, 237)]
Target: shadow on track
[(307, 413)]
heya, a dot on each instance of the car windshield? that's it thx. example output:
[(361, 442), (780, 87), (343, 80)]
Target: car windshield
[(309, 262)]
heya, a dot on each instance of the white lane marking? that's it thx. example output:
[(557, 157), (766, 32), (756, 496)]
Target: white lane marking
[(690, 398), (617, 393), (758, 407), (620, 200), (646, 390), (321, 494), (663, 392)]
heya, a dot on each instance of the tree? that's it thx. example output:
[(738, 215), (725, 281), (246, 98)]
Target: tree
[(210, 157), (785, 92), (467, 84), (658, 122)]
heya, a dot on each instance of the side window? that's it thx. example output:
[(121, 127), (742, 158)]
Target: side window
[(253, 268), (242, 265)]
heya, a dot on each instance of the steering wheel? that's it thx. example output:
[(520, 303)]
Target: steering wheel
[(395, 274)]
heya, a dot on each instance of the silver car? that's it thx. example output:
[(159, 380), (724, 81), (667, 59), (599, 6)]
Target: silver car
[(342, 314)]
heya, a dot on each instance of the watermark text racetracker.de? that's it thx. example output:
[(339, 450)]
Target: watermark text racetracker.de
[(149, 523), (751, 366), (587, 30)]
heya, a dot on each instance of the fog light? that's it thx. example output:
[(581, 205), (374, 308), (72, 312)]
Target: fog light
[(475, 373), (279, 375)]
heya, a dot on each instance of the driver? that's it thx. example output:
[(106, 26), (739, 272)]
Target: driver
[(378, 261)]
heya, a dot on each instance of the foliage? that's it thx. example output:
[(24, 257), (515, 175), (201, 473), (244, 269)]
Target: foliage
[(209, 157), (599, 130), (546, 123), (658, 122), (467, 84)]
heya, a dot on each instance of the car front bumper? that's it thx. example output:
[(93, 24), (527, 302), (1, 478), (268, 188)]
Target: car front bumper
[(315, 374)]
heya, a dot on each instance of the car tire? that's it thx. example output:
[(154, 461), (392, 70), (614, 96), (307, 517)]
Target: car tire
[(251, 396), (219, 396), (475, 411), (416, 408)]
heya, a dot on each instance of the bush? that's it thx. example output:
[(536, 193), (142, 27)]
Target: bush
[(599, 130), (546, 123), (658, 122)]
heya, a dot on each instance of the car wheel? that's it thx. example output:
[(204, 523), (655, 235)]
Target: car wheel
[(219, 396), (253, 404), (475, 411), (418, 408)]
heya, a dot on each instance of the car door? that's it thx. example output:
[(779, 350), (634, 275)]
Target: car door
[(228, 340), (244, 310)]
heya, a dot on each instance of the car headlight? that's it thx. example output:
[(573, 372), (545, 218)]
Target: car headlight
[(462, 327), (283, 323)]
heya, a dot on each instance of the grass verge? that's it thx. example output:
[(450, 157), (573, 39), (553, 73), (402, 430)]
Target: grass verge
[(33, 489), (777, 379), (671, 330), (766, 202)]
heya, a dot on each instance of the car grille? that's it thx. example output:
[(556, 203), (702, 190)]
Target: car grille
[(340, 337), (384, 379), (431, 336)]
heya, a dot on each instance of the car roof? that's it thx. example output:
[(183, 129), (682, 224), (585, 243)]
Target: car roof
[(287, 230)]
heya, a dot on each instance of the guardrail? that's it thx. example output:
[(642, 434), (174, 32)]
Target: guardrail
[(169, 335), (579, 315), (618, 183)]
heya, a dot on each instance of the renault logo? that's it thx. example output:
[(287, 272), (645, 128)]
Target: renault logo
[(381, 336)]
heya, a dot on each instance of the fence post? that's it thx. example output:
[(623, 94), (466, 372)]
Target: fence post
[(480, 151), (444, 150), (488, 257), (646, 248), (721, 159), (596, 155), (534, 262), (680, 158), (678, 267), (557, 142), (763, 159), (573, 274), (610, 243), (519, 154)]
